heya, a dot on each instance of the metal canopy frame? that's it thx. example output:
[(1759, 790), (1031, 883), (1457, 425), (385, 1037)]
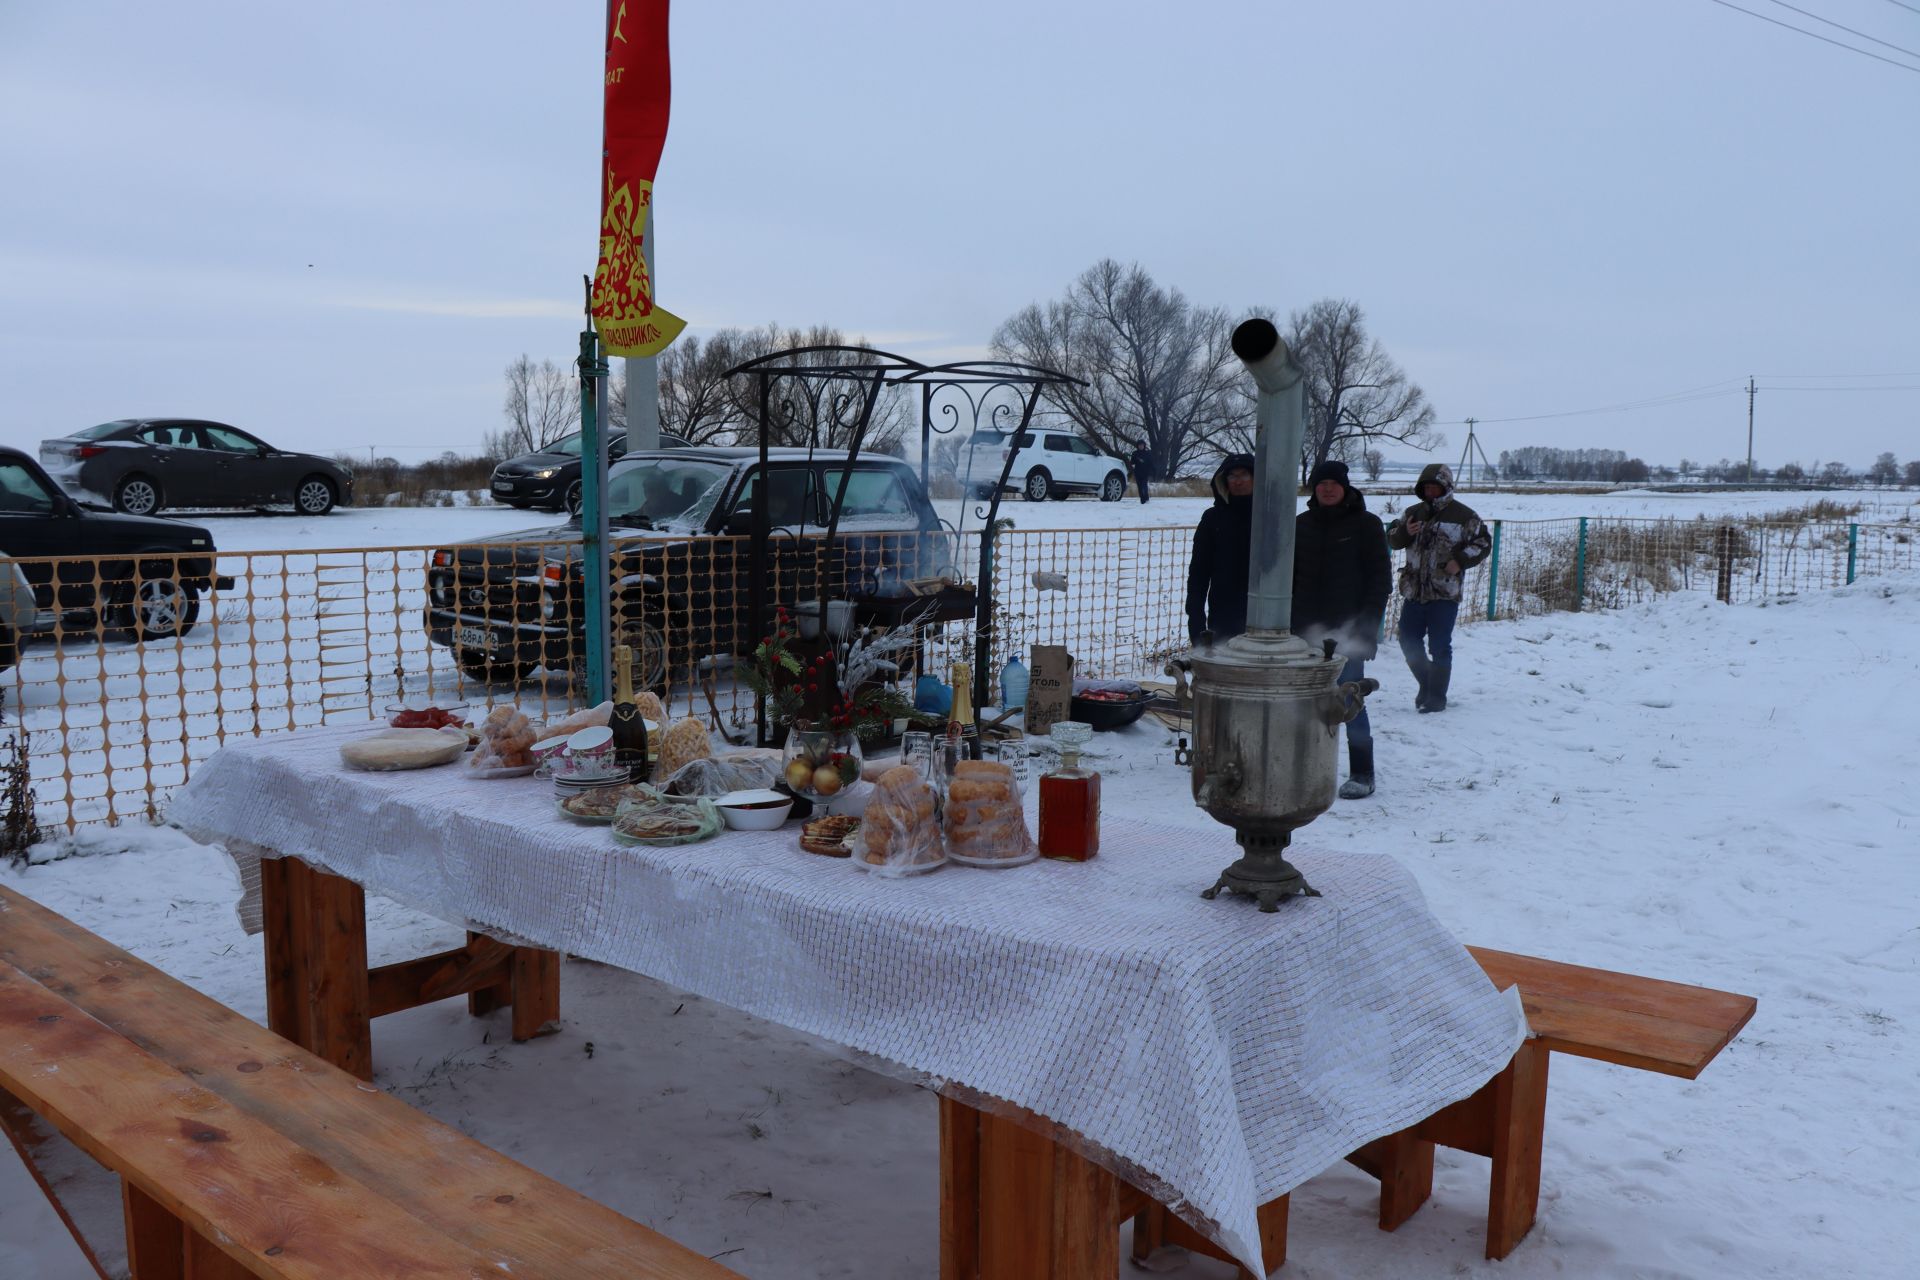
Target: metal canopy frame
[(989, 386)]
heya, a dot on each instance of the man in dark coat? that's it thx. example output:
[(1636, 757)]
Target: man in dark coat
[(1342, 576), (1443, 538), (1222, 546), (1141, 463)]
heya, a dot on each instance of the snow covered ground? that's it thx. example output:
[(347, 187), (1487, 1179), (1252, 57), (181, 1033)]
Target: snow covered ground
[(1711, 794)]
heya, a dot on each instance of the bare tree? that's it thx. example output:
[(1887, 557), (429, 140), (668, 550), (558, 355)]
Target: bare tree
[(1159, 370), (694, 397), (542, 405), (819, 410), (1356, 393), (1885, 470), (1910, 477), (1374, 461)]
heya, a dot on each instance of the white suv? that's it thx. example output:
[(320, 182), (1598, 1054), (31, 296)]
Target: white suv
[(1051, 463)]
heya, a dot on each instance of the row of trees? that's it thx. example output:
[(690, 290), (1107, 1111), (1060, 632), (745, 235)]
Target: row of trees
[(1535, 462), (1159, 371), (1612, 466)]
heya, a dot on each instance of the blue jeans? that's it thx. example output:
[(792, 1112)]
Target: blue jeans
[(1426, 626), (1359, 729)]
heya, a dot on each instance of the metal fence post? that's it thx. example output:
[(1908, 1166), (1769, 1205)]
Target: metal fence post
[(1723, 586), (1853, 550), (1580, 569), (1493, 572)]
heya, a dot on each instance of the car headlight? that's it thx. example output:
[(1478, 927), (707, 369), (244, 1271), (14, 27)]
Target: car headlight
[(544, 473)]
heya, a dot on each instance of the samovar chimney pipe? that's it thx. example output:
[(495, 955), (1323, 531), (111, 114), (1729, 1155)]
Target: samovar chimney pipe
[(1279, 415)]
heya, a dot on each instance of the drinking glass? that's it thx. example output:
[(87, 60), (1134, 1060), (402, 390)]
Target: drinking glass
[(916, 749), (1011, 752)]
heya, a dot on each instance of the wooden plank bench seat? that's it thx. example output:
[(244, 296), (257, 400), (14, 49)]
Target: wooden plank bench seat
[(1664, 1027), (239, 1154)]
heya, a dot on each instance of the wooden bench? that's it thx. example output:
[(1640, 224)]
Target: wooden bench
[(1664, 1027), (238, 1154)]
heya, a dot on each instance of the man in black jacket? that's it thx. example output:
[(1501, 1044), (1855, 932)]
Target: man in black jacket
[(1222, 546), (1141, 462), (1342, 576)]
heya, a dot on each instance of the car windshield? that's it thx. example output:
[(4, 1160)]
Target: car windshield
[(103, 430), (655, 492), (569, 446)]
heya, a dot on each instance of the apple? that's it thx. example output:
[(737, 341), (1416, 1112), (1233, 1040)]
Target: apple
[(799, 774), (826, 779)]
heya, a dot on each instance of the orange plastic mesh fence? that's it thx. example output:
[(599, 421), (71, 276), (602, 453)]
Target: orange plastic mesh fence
[(148, 669)]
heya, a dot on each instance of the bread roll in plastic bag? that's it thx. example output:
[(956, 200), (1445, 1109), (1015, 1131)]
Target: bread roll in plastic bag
[(985, 823), (899, 832)]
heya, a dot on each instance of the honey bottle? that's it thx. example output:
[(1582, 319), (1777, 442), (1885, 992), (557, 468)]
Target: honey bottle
[(1070, 798)]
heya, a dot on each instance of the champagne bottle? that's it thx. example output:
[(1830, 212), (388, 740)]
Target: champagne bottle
[(629, 729), (960, 726)]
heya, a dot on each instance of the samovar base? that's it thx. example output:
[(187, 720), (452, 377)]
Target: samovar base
[(1263, 874)]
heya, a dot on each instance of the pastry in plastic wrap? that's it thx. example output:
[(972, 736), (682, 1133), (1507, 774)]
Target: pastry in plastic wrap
[(650, 707), (736, 771), (828, 836), (683, 740), (899, 833), (985, 824), (506, 740)]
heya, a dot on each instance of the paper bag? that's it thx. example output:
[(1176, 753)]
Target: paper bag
[(1050, 688)]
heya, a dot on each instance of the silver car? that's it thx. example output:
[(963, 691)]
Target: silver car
[(20, 616)]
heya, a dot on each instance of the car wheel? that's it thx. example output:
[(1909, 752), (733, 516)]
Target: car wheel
[(1039, 485), (315, 496), (485, 670), (137, 495), (573, 499), (1114, 487), (157, 608)]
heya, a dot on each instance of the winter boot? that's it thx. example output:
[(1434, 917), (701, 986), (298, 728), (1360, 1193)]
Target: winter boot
[(1359, 783), (1422, 674), (1437, 687)]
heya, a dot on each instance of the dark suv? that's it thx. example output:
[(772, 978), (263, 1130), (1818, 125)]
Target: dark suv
[(550, 477), (139, 574), (681, 521)]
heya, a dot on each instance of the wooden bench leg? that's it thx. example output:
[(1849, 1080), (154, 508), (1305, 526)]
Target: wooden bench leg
[(285, 909), (536, 992), (156, 1240), (1519, 1131)]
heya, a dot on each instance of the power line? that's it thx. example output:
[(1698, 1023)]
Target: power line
[(1704, 392), (1912, 387), (1904, 5), (1838, 44), (1849, 30)]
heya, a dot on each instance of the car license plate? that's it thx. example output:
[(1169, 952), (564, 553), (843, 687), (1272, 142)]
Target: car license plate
[(473, 637), (501, 486)]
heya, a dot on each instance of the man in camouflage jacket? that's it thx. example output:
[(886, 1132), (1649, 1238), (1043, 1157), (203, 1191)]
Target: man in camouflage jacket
[(1443, 538)]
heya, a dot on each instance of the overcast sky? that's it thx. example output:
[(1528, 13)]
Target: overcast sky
[(334, 224)]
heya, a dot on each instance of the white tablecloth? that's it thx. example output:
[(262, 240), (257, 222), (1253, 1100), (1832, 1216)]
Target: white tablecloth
[(1215, 1055)]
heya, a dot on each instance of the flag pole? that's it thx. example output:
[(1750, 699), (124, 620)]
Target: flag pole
[(594, 562)]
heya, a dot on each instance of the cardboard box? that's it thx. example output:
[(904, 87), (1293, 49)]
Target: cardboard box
[(1049, 688)]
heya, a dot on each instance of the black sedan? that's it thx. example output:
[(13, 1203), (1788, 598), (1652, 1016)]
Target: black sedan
[(143, 464), (95, 570), (549, 477)]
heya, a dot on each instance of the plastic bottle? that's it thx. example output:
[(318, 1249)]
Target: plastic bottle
[(1013, 685)]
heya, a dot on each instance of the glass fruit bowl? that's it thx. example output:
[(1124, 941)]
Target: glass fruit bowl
[(821, 763)]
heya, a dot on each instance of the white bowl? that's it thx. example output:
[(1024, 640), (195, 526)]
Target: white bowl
[(756, 819)]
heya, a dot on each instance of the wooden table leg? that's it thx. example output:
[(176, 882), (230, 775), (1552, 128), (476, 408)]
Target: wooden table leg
[(1519, 1131), (316, 956), (536, 992), (1027, 1208), (959, 1191), (498, 996), (156, 1240)]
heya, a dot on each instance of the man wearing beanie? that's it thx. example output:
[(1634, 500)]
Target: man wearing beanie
[(1443, 538), (1222, 546), (1342, 576)]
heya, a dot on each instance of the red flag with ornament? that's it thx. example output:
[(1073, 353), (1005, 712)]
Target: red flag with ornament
[(639, 92)]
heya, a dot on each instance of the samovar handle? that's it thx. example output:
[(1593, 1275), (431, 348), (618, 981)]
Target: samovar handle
[(1346, 701)]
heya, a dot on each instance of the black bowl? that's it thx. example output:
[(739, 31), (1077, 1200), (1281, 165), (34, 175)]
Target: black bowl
[(1110, 715)]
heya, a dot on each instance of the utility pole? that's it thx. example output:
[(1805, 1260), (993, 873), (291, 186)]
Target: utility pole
[(1750, 390), (1466, 455)]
